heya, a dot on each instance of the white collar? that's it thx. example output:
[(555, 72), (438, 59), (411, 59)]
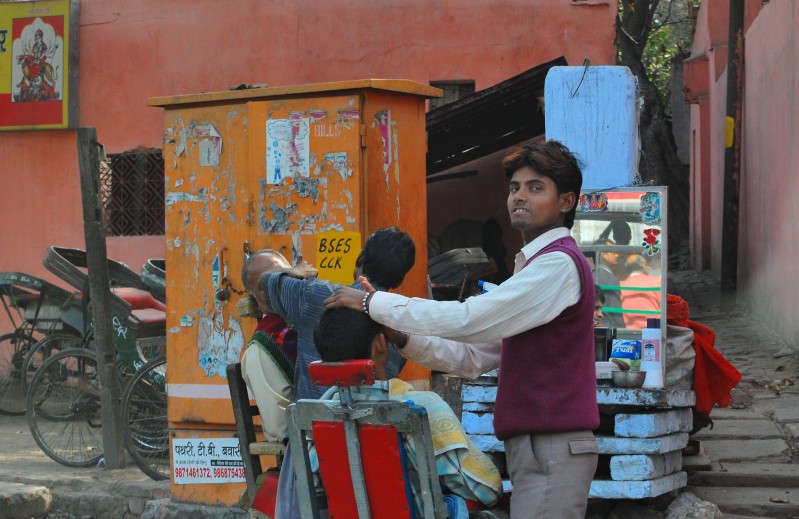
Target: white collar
[(535, 246)]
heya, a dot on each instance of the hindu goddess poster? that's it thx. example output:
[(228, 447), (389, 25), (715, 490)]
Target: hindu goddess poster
[(37, 51)]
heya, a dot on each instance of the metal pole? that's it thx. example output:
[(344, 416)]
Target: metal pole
[(732, 166), (100, 296)]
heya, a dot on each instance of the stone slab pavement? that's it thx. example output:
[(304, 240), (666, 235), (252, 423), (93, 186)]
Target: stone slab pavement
[(752, 446)]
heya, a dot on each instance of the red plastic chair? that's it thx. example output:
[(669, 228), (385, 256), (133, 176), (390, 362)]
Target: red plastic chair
[(364, 469)]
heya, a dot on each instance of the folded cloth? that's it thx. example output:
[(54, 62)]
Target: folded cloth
[(456, 507), (714, 375)]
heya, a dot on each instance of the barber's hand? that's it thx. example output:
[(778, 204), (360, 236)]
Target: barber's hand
[(400, 339), (366, 284), (346, 297), (302, 270)]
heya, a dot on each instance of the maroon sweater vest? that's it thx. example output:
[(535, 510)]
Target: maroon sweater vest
[(547, 375)]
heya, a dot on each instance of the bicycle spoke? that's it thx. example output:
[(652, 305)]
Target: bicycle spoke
[(63, 407), (144, 419), (13, 349)]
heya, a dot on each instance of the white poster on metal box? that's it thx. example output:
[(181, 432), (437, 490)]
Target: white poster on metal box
[(207, 460)]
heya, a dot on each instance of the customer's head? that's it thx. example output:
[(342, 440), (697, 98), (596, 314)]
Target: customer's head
[(610, 258), (347, 334), (255, 266), (599, 302), (636, 264), (387, 256), (554, 160)]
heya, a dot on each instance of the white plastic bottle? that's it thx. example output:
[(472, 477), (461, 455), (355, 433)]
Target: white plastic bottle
[(652, 358)]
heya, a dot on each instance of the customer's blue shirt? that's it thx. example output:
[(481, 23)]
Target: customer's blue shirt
[(301, 302)]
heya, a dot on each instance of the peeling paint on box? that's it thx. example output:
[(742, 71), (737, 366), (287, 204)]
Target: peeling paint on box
[(307, 187), (177, 196), (382, 122), (395, 151), (280, 224)]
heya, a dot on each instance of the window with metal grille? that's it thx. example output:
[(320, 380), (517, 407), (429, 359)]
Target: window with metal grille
[(132, 186), (453, 90)]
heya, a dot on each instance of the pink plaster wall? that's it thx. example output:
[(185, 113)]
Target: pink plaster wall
[(768, 273), (707, 128), (768, 251), (130, 51)]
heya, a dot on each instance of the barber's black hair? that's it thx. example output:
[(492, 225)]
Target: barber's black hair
[(387, 256), (554, 160), (345, 334)]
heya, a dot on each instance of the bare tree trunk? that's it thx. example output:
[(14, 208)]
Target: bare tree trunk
[(659, 162)]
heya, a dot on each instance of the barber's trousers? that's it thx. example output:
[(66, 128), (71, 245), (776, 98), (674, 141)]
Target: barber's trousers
[(551, 474)]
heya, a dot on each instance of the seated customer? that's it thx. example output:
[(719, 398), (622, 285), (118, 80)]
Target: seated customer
[(345, 334), (267, 365)]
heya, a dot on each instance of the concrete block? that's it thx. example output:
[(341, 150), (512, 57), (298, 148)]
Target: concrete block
[(747, 501), (592, 111), (639, 467), (756, 450), (168, 509), (723, 413), (473, 393), (478, 423), (653, 424), (787, 414), (748, 474), (661, 445), (601, 489), (18, 500), (645, 397), (479, 407), (487, 442), (749, 429), (97, 505)]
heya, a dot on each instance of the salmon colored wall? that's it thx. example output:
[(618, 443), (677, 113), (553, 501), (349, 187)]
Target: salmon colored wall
[(130, 51), (41, 201), (768, 275), (154, 48), (707, 122), (768, 269)]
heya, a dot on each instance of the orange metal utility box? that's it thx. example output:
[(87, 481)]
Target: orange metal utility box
[(296, 169)]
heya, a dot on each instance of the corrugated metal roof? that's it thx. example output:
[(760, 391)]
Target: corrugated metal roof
[(487, 121)]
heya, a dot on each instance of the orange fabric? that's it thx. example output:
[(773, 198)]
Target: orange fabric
[(714, 375)]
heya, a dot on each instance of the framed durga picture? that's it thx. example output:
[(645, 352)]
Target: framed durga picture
[(38, 54)]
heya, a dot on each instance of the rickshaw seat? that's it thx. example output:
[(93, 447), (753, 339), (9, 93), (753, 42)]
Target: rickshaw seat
[(138, 299), (149, 316), (360, 447)]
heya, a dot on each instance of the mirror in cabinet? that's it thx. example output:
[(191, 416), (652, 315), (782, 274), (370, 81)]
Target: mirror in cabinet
[(622, 232)]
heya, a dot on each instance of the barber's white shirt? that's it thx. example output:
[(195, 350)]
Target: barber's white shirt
[(531, 297)]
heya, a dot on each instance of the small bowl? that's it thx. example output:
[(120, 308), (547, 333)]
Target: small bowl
[(628, 379)]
